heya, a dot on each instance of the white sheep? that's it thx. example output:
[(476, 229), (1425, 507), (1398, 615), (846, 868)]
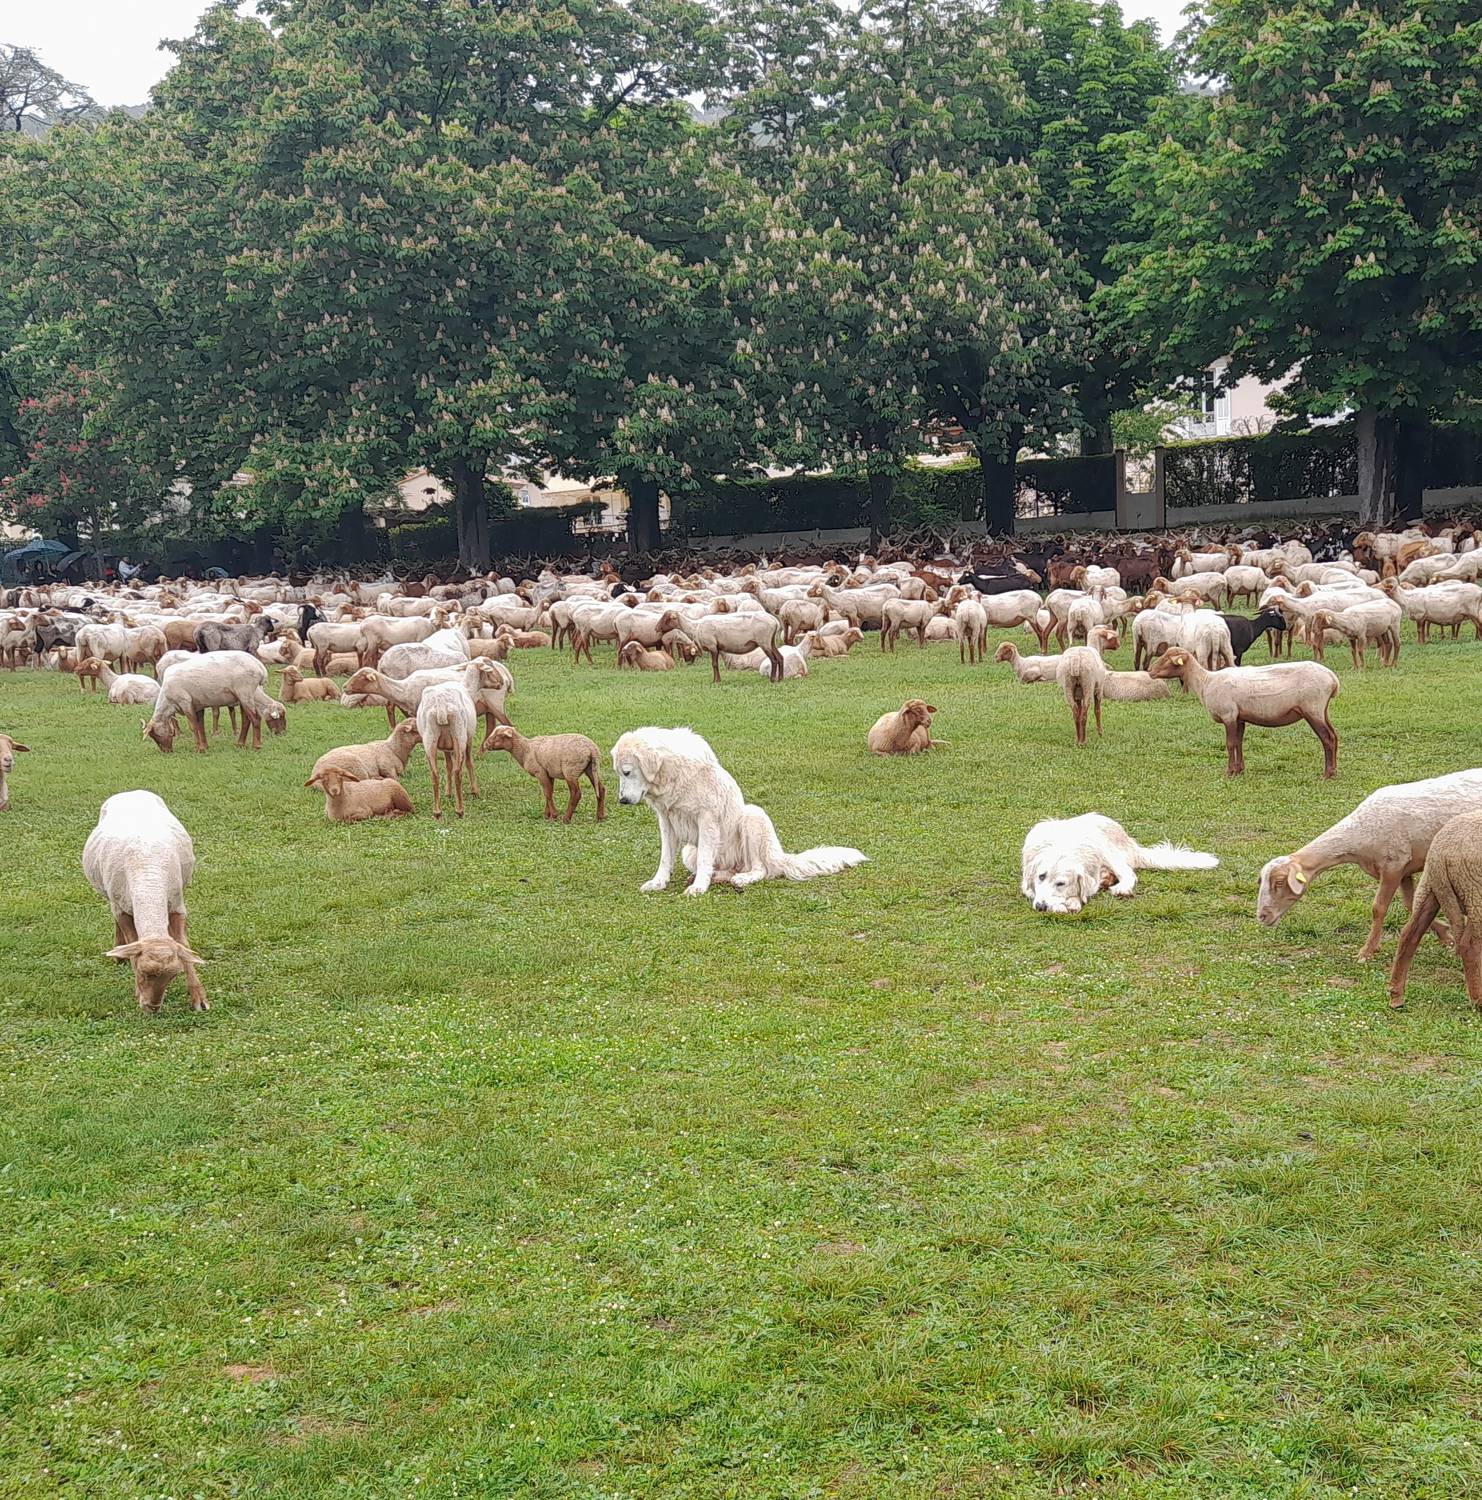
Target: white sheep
[(216, 679), (140, 859), (123, 687), (1387, 836), (446, 719)]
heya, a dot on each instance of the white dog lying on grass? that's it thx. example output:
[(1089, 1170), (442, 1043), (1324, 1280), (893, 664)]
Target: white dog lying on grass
[(704, 818), (1067, 860)]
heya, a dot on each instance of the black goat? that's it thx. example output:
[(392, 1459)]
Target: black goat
[(998, 583), (1244, 633), (308, 615)]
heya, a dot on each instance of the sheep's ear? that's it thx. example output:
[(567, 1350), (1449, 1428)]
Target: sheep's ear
[(314, 781), (1296, 878), (931, 708), (23, 748), (189, 956), (126, 950), (348, 776)]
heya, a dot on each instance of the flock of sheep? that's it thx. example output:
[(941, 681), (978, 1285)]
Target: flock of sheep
[(438, 655)]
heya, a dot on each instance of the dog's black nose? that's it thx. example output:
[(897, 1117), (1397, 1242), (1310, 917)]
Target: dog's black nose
[(1040, 906)]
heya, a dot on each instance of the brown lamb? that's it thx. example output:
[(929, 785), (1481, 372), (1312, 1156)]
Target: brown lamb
[(550, 758)]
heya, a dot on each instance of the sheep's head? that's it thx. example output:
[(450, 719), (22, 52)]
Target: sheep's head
[(92, 667), (8, 750), (1170, 664), (276, 718), (501, 738), (155, 961), (668, 621), (917, 711), (1283, 882), (162, 732), (292, 676), (1006, 652), (332, 780), (366, 680)]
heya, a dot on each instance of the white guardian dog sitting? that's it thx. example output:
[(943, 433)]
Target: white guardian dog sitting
[(1067, 860), (704, 818)]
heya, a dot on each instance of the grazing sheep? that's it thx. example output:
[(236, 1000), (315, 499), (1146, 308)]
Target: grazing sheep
[(1363, 625), (9, 749), (446, 720), (350, 798), (906, 614), (735, 633), (297, 688), (550, 758), (1388, 836), (379, 758), (123, 687), (140, 859), (218, 679), (907, 731), (1270, 697), (1452, 883)]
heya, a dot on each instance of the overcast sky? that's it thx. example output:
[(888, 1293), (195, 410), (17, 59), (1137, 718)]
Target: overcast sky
[(110, 47)]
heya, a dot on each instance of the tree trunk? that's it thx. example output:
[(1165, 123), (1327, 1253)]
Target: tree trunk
[(643, 513), (1376, 432), (471, 502), (1412, 464), (1097, 415), (882, 491), (1000, 485)]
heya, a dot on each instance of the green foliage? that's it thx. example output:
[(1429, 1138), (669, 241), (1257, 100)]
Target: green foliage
[(1320, 213), (1139, 429), (1088, 78)]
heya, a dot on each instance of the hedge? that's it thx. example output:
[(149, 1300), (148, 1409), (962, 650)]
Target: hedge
[(945, 496), (1320, 462)]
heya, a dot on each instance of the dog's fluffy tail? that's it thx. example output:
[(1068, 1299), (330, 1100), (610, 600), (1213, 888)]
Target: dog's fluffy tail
[(826, 859), (1166, 856)]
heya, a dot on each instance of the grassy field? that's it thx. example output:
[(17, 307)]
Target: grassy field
[(488, 1176)]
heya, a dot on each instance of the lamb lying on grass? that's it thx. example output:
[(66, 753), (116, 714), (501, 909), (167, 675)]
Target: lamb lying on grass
[(379, 758), (550, 758), (905, 732), (350, 799)]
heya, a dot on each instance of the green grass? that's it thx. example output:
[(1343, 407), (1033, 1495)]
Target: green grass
[(488, 1176)]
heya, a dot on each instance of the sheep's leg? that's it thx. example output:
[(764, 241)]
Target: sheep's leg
[(779, 669), (197, 718), (437, 793), (473, 779), (391, 716), (1096, 700), (1328, 738), (453, 761), (1078, 714), (573, 785), (1389, 883), (1420, 919), (193, 986), (921, 635), (548, 786), (601, 791), (1469, 947), (1235, 748), (715, 666)]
